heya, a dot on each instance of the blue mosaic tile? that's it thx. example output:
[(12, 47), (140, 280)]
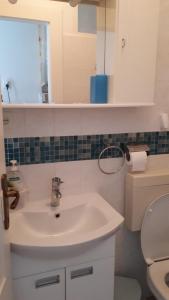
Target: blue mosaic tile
[(36, 150)]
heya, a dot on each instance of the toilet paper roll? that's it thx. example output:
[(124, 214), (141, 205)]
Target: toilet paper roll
[(138, 161)]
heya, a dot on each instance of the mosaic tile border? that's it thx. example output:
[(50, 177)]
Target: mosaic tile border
[(37, 150)]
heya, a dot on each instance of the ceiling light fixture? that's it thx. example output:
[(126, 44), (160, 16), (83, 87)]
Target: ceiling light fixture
[(74, 3), (12, 1)]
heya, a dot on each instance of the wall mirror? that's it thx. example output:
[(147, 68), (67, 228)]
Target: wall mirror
[(49, 50)]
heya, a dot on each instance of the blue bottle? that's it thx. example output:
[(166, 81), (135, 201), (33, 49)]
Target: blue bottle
[(98, 88)]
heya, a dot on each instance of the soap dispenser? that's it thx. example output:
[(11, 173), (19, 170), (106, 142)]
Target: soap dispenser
[(14, 176)]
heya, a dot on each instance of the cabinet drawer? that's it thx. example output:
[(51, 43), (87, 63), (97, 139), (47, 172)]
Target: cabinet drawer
[(91, 281), (49, 285)]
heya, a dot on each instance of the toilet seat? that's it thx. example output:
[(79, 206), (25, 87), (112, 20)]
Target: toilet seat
[(156, 274), (155, 231), (155, 245)]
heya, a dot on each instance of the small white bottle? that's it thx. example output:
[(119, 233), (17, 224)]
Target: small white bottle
[(14, 176)]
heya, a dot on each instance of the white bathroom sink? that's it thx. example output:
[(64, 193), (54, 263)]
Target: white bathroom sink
[(78, 219)]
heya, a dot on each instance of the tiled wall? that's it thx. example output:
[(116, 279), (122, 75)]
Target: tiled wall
[(35, 150)]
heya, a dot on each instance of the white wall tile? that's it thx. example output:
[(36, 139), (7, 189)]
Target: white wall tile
[(48, 122), (16, 126), (37, 179), (39, 122), (71, 173), (120, 120), (67, 122)]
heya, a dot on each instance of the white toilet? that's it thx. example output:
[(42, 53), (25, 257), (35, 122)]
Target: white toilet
[(147, 209)]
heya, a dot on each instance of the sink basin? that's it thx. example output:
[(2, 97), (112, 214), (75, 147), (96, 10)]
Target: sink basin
[(79, 219)]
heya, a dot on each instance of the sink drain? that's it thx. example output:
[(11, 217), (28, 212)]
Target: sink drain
[(57, 216)]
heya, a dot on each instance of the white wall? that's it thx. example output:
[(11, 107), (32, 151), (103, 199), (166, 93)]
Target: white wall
[(20, 61)]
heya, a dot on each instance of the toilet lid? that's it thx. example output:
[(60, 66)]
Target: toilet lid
[(155, 230)]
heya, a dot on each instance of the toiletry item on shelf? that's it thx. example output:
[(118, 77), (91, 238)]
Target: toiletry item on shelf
[(98, 88), (164, 118), (15, 177)]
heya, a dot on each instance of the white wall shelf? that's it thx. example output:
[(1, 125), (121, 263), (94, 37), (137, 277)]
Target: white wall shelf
[(76, 105)]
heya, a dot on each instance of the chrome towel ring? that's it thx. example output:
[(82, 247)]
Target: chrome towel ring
[(102, 153)]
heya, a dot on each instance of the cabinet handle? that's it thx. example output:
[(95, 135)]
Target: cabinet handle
[(81, 272), (47, 281)]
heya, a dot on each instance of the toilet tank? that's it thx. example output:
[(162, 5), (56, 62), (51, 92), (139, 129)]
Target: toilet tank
[(140, 190)]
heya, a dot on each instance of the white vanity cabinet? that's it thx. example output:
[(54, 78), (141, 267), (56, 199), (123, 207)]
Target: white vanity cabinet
[(93, 281), (44, 286), (81, 271), (88, 281), (135, 38)]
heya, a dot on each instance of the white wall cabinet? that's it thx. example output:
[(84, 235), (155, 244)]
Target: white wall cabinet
[(89, 281), (132, 80)]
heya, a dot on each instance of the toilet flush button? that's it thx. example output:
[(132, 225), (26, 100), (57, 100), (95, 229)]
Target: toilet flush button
[(150, 210)]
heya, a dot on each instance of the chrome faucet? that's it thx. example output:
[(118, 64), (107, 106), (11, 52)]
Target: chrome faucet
[(56, 194)]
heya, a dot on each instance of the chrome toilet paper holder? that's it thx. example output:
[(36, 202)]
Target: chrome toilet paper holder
[(127, 149)]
